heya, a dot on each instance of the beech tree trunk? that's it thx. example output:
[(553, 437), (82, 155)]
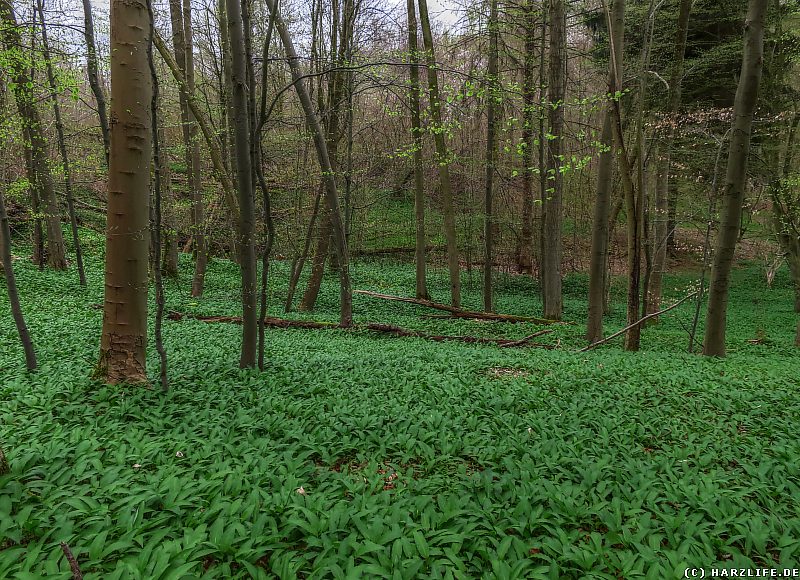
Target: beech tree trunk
[(525, 249), (442, 158), (169, 232), (94, 77), (491, 106), (42, 178), (553, 205), (736, 178), (632, 197), (62, 146), (180, 16), (244, 182), (661, 217), (598, 264), (124, 339), (416, 133)]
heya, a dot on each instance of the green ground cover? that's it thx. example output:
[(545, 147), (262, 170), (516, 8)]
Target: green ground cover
[(362, 455)]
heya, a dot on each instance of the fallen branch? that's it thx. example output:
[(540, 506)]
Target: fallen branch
[(459, 312), (374, 327), (271, 322), (393, 250), (638, 322), (73, 563)]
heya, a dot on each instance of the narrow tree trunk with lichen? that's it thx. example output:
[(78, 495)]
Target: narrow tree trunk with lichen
[(416, 133), (491, 130), (442, 158)]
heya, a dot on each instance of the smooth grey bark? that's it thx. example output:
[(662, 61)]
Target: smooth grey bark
[(552, 249), (525, 249), (94, 77), (244, 183), (416, 133), (599, 253), (735, 179), (491, 106), (632, 194), (180, 17), (442, 158)]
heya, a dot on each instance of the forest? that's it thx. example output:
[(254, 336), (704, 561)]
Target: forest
[(384, 289)]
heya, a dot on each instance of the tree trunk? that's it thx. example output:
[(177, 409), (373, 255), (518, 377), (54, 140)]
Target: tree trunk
[(13, 297), (317, 266), (553, 205), (180, 16), (94, 77), (38, 255), (598, 265), (62, 147), (735, 180), (525, 249), (124, 338), (331, 195), (207, 130), (42, 179), (244, 184), (493, 97), (661, 217), (442, 158), (632, 197), (786, 216), (196, 183), (156, 213), (169, 231), (416, 133)]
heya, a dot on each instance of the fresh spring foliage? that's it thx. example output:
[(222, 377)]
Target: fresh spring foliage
[(361, 455)]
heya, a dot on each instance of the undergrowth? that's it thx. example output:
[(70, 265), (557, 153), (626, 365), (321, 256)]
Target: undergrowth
[(361, 455)]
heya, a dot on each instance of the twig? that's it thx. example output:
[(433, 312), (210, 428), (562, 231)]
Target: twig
[(73, 563), (638, 322)]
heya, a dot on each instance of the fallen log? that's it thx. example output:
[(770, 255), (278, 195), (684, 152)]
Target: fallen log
[(458, 312), (274, 322)]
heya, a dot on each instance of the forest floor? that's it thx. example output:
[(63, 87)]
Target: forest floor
[(357, 454)]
